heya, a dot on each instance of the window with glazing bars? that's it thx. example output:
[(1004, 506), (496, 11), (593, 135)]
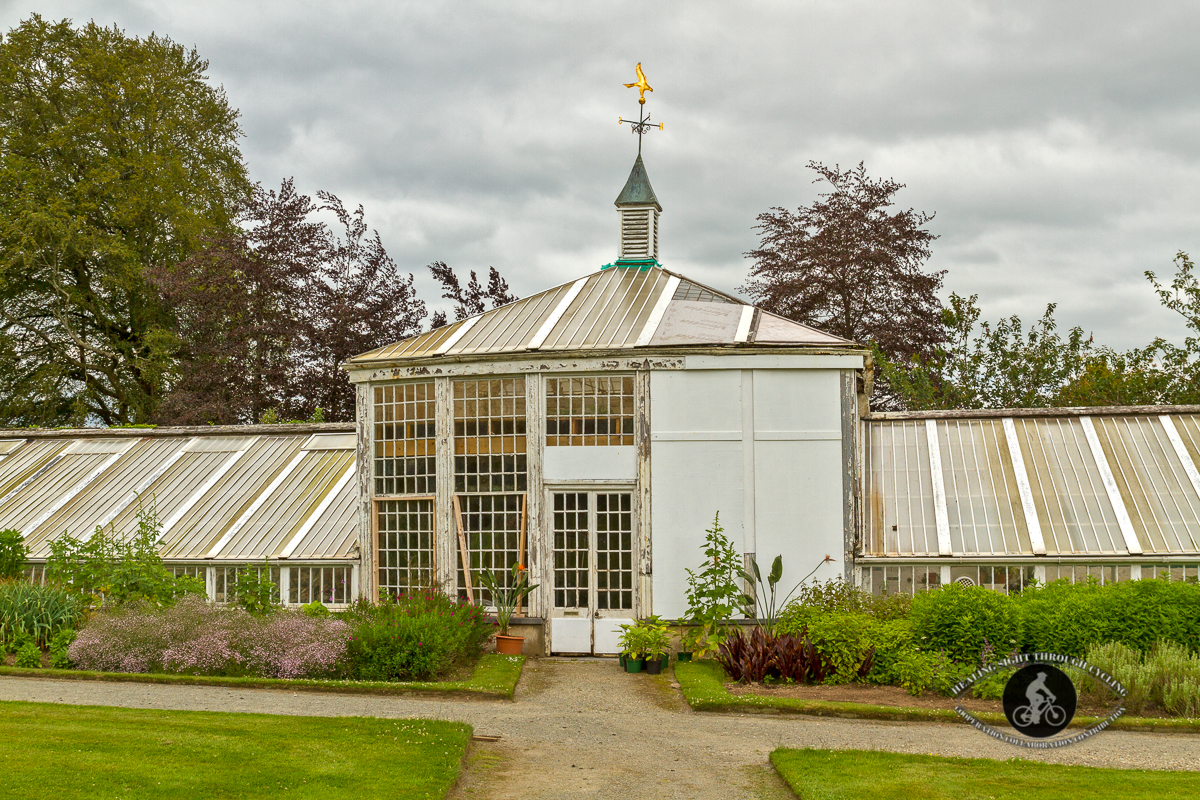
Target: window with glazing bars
[(405, 542), (589, 411), (198, 571), (330, 585), (572, 547), (614, 550), (226, 579), (404, 439), (492, 525), (489, 435)]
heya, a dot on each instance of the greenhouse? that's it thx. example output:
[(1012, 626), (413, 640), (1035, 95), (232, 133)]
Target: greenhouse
[(1000, 498), (280, 497)]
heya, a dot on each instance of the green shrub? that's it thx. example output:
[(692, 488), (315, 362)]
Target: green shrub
[(315, 609), (117, 569), (1174, 679), (918, 671), (36, 612), (13, 554), (891, 639), (415, 637), (30, 655), (254, 590), (838, 596), (961, 620), (1167, 678), (59, 657), (844, 642), (1069, 619)]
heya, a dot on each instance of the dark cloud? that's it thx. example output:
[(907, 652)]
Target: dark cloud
[(1056, 142)]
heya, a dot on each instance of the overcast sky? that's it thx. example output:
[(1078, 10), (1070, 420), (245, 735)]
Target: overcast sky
[(1056, 142)]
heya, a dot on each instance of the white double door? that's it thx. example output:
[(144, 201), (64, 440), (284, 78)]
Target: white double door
[(593, 536)]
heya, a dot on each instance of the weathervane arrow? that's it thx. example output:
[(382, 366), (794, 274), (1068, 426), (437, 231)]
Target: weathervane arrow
[(642, 125)]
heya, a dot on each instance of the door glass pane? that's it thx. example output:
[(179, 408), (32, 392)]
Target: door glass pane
[(571, 550), (614, 551)]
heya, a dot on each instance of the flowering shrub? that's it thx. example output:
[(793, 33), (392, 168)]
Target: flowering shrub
[(420, 636), (195, 637)]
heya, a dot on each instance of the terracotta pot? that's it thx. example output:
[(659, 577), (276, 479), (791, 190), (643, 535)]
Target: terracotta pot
[(509, 645)]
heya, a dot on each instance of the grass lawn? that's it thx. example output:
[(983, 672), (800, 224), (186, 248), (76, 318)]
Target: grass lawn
[(493, 675), (868, 774), (60, 751)]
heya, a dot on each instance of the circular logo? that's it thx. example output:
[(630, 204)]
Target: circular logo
[(1039, 700)]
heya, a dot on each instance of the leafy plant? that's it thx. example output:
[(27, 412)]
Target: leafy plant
[(116, 570), (844, 642), (961, 620), (254, 590), (506, 598), (60, 657), (30, 655), (767, 604), (713, 594), (13, 554), (35, 612), (315, 609), (419, 636)]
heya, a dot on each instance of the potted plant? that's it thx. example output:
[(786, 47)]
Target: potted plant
[(632, 647), (656, 644), (506, 599), (689, 638)]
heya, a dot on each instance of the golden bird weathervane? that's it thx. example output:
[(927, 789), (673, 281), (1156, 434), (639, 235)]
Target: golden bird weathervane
[(642, 125)]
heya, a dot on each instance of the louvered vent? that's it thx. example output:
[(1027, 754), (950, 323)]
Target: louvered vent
[(639, 233)]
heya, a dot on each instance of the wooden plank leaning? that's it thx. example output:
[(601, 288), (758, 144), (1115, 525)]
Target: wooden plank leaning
[(464, 555)]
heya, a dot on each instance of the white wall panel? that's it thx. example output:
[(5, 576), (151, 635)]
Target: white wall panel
[(797, 400), (590, 463), (691, 478)]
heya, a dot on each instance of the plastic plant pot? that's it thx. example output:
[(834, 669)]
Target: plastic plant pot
[(653, 666), (633, 665)]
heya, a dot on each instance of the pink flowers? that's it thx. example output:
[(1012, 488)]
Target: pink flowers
[(196, 637)]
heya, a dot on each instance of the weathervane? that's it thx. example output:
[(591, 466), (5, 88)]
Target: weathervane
[(643, 124)]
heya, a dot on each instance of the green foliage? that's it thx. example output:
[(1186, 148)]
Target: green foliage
[(29, 655), (1166, 678), (254, 590), (765, 601), (117, 570), (713, 594), (60, 658), (646, 638), (271, 416), (1065, 618), (891, 639), (962, 620), (420, 637), (844, 642), (13, 554), (507, 595), (36, 613), (119, 155), (1002, 366), (840, 596), (315, 609), (917, 671)]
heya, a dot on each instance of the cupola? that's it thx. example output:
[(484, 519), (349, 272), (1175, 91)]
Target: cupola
[(639, 210)]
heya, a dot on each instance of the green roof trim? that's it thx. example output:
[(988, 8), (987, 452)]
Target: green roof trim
[(638, 191), (642, 264)]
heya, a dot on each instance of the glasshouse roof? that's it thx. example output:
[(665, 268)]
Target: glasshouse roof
[(1079, 482), (615, 308), (233, 493)]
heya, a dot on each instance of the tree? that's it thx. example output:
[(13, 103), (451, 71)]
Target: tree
[(356, 300), (848, 265), (116, 155), (268, 313), (238, 305), (469, 302)]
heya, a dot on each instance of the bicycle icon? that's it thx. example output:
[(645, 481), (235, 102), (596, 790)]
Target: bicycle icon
[(1049, 714)]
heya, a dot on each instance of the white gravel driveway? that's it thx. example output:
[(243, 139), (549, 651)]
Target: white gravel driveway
[(585, 729)]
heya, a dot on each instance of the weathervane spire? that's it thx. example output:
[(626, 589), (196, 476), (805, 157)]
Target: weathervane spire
[(642, 125)]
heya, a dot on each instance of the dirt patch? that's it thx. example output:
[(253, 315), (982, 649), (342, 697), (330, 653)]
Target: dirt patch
[(872, 694)]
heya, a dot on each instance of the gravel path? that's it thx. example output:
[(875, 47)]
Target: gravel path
[(584, 729)]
